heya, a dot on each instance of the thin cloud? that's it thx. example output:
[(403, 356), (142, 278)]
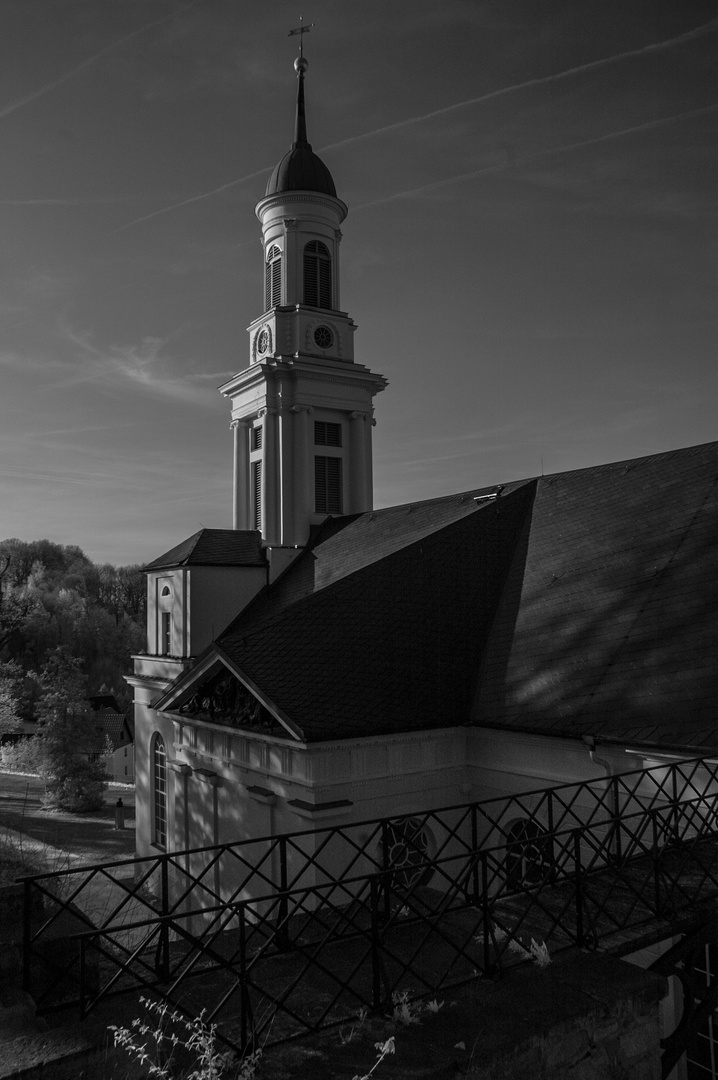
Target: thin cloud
[(140, 365), (84, 64), (568, 73), (192, 199), (592, 65), (506, 165), (98, 200)]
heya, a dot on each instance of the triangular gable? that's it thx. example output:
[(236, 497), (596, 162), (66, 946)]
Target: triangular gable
[(201, 687)]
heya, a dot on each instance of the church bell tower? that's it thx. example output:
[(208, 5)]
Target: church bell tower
[(302, 410)]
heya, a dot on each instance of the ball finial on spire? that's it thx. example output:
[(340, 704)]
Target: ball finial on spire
[(301, 65)]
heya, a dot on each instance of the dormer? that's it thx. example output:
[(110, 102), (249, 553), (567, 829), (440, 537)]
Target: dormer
[(195, 589)]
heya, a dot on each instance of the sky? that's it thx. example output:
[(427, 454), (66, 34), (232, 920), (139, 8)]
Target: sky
[(529, 253)]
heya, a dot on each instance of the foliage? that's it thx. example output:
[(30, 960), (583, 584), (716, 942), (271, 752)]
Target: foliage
[(9, 716), (52, 595), (159, 1047), (383, 1049), (70, 743), (22, 756), (537, 952)]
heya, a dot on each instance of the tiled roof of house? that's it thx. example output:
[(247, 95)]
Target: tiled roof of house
[(583, 603), (214, 547), (115, 726)]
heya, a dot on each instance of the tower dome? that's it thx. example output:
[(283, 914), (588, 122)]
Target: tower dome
[(300, 169)]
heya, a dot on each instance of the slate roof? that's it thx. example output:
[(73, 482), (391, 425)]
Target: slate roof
[(214, 547), (608, 623), (580, 603)]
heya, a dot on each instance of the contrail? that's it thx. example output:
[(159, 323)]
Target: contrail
[(15, 105), (592, 65), (535, 157), (99, 200), (688, 36), (192, 199)]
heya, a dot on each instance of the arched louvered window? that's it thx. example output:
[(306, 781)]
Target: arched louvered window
[(317, 275), (273, 278), (159, 786)]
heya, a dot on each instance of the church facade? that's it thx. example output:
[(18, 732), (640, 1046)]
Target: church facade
[(323, 662)]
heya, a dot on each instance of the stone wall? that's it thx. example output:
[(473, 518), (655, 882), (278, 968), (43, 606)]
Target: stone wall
[(585, 1017)]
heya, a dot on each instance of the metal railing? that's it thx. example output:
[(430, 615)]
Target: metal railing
[(301, 930)]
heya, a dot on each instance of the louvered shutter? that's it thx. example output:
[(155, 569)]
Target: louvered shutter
[(334, 485), (273, 278), (327, 485), (317, 266), (257, 494)]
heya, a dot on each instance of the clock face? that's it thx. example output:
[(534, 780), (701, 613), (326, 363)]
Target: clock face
[(262, 342), (323, 337)]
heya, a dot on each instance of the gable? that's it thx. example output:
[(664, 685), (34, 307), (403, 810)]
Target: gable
[(215, 691)]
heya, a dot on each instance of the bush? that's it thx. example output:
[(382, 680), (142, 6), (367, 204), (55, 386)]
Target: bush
[(22, 756), (79, 789)]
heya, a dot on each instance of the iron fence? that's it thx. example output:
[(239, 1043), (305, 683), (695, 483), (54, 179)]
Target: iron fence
[(302, 930)]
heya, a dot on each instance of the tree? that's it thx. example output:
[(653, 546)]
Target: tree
[(14, 606), (70, 741)]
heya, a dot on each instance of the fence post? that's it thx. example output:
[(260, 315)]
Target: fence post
[(27, 937), (654, 856), (552, 842), (616, 821), (162, 960), (385, 867), (282, 934), (474, 852), (580, 936), (83, 1010), (243, 995), (375, 944), (485, 910)]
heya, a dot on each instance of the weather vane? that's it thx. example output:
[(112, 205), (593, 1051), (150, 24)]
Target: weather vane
[(301, 30)]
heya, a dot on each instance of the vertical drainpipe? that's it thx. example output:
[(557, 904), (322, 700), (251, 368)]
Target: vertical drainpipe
[(590, 744)]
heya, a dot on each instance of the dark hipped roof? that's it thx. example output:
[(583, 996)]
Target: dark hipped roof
[(382, 634), (214, 547), (574, 604), (608, 623)]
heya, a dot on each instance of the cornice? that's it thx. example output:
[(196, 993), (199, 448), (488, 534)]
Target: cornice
[(282, 198)]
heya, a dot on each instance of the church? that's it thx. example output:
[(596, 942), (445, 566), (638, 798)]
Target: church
[(323, 662)]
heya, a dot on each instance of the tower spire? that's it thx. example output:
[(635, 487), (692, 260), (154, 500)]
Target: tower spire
[(300, 66)]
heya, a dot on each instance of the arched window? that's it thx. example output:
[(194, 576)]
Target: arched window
[(166, 591), (273, 278), (317, 275), (159, 791)]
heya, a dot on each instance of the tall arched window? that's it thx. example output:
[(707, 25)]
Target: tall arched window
[(273, 278), (159, 790), (317, 275)]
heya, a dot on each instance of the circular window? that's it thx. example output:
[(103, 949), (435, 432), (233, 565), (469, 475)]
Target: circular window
[(262, 342), (406, 848), (323, 337)]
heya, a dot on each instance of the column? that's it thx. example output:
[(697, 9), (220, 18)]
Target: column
[(285, 421), (357, 487), (270, 477), (303, 473), (240, 492), (369, 467)]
